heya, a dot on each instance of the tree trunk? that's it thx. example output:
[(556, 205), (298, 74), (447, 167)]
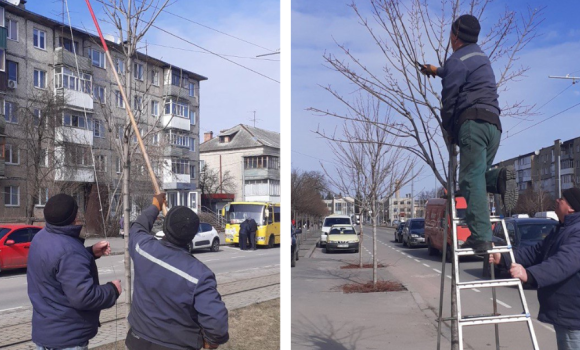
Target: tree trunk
[(127, 221), (375, 215), (360, 245)]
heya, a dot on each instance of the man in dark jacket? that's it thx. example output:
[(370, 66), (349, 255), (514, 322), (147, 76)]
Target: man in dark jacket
[(252, 228), (63, 280), (176, 304), (243, 234), (470, 117), (553, 266)]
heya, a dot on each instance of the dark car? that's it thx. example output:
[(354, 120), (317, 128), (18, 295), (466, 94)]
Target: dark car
[(414, 233), (295, 245), (399, 232), (15, 244)]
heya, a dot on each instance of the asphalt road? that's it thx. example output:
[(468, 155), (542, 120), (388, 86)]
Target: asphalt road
[(421, 273), (13, 286)]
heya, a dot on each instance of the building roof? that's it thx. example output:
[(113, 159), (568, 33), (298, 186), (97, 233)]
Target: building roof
[(40, 19), (242, 136)]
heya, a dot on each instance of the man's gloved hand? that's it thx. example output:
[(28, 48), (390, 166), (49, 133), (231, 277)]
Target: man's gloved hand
[(429, 70), (159, 200)]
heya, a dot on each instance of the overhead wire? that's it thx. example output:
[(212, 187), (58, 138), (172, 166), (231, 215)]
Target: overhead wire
[(544, 120)]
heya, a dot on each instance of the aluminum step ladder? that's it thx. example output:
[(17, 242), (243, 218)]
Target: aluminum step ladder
[(458, 319)]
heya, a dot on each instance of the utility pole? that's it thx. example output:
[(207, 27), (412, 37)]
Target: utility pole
[(567, 76), (412, 191), (558, 153)]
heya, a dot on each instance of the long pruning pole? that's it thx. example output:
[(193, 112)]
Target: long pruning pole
[(127, 106)]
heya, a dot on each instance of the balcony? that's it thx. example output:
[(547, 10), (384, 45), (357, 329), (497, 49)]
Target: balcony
[(76, 99), (174, 151), (177, 91), (174, 122), (567, 171), (259, 174), (69, 134), (3, 36), (67, 58), (74, 174)]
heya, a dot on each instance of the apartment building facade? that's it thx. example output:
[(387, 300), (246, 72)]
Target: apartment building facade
[(64, 120)]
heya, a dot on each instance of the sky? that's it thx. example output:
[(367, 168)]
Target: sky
[(232, 93), (553, 52)]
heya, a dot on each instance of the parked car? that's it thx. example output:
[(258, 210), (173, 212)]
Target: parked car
[(295, 245), (15, 244), (414, 233), (342, 237), (435, 225), (546, 215), (330, 221), (396, 223), (206, 237), (399, 232)]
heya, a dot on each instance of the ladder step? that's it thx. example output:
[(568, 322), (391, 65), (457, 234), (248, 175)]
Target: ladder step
[(489, 284), (491, 219), (473, 321), (469, 251)]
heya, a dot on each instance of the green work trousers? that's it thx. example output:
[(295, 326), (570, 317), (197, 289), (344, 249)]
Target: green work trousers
[(478, 144)]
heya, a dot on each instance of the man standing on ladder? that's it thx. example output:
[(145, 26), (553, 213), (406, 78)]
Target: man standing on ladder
[(470, 116)]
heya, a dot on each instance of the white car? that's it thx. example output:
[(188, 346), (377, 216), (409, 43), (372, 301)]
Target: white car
[(331, 220), (206, 237)]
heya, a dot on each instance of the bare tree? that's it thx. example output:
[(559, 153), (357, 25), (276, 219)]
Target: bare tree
[(211, 182), (418, 31), (307, 191), (532, 202), (368, 166)]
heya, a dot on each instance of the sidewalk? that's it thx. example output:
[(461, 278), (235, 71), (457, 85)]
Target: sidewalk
[(324, 318), (238, 290)]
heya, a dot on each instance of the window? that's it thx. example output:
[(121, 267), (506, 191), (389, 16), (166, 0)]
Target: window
[(39, 38), (256, 187), (36, 116), (39, 79), (68, 79), (179, 139), (202, 166), (76, 155), (76, 121), (175, 78), (155, 108), (120, 65), (275, 189), (42, 196), (12, 196), (137, 102), (1, 16), (99, 93), (69, 45), (118, 165), (11, 154), (177, 108), (192, 117), (98, 128), (191, 89), (155, 77), (43, 157), (119, 99), (12, 70), (97, 57), (192, 171), (155, 140), (180, 166), (192, 144), (2, 60), (10, 112), (138, 71), (263, 162), (101, 163), (12, 30)]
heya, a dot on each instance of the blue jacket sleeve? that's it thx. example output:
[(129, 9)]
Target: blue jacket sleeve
[(74, 275), (563, 264), (211, 310), (529, 256), (141, 228), (454, 75)]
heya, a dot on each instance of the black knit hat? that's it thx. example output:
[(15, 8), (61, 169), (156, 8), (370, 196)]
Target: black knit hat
[(181, 225), (466, 28), (572, 196), (60, 210)]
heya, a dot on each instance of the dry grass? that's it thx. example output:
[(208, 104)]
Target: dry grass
[(381, 286), (255, 327), (357, 266)]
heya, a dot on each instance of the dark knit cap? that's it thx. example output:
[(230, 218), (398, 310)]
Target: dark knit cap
[(466, 28), (60, 210), (572, 196), (180, 225)]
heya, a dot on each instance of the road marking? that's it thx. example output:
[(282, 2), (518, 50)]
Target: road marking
[(12, 308), (476, 290), (436, 270), (448, 276), (417, 260), (210, 260), (397, 250), (502, 303), (550, 328), (426, 265)]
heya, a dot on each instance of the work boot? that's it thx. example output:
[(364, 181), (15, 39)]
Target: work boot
[(480, 247), (508, 187)]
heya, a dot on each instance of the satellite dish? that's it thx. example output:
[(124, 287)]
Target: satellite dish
[(13, 2)]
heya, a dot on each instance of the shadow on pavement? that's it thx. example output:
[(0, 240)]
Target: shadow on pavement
[(324, 335)]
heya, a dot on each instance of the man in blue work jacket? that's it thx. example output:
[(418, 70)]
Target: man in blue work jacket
[(470, 116), (176, 304), (553, 266)]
